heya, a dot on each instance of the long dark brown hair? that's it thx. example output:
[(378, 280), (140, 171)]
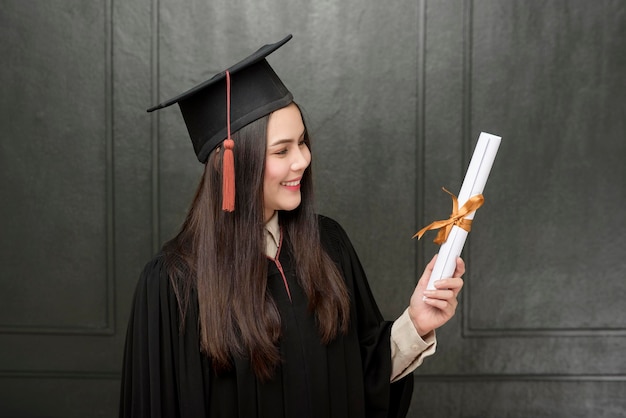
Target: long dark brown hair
[(220, 256)]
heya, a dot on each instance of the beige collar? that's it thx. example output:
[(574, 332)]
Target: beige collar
[(272, 236)]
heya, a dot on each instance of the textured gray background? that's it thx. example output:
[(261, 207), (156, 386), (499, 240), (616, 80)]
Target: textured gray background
[(395, 94)]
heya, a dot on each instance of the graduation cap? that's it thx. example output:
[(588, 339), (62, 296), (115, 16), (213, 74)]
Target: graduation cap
[(226, 103)]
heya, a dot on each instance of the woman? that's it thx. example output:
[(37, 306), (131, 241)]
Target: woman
[(259, 307)]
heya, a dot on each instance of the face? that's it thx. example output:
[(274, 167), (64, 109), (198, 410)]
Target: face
[(286, 159)]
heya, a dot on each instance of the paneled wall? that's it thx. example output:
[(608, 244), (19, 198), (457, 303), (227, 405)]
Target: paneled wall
[(542, 326), (395, 96)]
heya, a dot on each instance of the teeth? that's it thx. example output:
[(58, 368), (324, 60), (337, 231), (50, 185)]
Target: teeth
[(291, 183)]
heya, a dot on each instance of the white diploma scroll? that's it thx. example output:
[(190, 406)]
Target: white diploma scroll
[(473, 184)]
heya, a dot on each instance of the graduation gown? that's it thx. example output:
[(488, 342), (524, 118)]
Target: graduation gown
[(166, 375)]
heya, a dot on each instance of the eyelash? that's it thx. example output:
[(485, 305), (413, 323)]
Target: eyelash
[(284, 150)]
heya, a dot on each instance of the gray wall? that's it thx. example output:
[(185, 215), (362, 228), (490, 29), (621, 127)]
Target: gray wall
[(395, 95)]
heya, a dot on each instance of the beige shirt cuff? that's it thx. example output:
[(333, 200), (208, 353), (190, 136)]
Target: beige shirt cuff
[(408, 349)]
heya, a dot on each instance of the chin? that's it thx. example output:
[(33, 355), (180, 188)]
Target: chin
[(291, 206)]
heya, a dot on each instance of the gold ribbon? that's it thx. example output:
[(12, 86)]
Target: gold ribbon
[(456, 218)]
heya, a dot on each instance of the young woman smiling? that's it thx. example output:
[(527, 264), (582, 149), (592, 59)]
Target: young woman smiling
[(259, 307)]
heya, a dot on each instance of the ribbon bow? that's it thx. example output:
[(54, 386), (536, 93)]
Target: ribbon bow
[(456, 218)]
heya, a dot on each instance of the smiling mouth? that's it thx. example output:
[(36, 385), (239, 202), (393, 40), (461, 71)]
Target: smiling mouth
[(291, 183)]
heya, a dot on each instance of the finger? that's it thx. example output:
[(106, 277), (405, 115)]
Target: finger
[(460, 267), (428, 271), (444, 294), (441, 304), (454, 284), (449, 283)]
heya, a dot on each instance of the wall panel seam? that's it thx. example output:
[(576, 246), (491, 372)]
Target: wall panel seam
[(466, 137), (420, 137), (154, 128), (8, 374), (523, 377)]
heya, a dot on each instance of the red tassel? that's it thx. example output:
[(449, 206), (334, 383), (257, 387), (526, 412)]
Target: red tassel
[(228, 160), (228, 177)]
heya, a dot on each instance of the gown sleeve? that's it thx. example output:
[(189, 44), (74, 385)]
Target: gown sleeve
[(162, 371), (383, 399), (408, 349)]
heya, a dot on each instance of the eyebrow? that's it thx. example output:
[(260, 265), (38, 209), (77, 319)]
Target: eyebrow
[(285, 140)]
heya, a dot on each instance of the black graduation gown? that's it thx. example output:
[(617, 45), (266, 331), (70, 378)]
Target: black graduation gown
[(166, 375)]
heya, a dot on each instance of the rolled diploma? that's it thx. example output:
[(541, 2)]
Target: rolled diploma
[(473, 184)]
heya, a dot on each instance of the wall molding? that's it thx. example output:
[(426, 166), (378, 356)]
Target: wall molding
[(154, 126), (467, 330), (109, 321), (7, 374), (420, 128), (574, 378)]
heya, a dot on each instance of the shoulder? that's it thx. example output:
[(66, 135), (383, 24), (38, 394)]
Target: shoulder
[(150, 279), (158, 293), (330, 227), (153, 269), (165, 267), (333, 237), (155, 276)]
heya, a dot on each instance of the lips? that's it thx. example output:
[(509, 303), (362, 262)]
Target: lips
[(294, 183)]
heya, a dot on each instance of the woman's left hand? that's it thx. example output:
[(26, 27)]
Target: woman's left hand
[(430, 309)]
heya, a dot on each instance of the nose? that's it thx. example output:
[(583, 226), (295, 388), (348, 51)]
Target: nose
[(302, 159)]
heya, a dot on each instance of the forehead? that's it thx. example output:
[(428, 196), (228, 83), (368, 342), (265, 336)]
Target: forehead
[(285, 123)]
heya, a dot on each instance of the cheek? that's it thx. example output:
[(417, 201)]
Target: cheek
[(266, 177), (267, 186), (267, 174), (272, 173)]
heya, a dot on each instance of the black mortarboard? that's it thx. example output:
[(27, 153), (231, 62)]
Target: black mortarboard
[(226, 103), (255, 91)]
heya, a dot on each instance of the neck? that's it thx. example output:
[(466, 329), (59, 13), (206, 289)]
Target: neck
[(269, 214)]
